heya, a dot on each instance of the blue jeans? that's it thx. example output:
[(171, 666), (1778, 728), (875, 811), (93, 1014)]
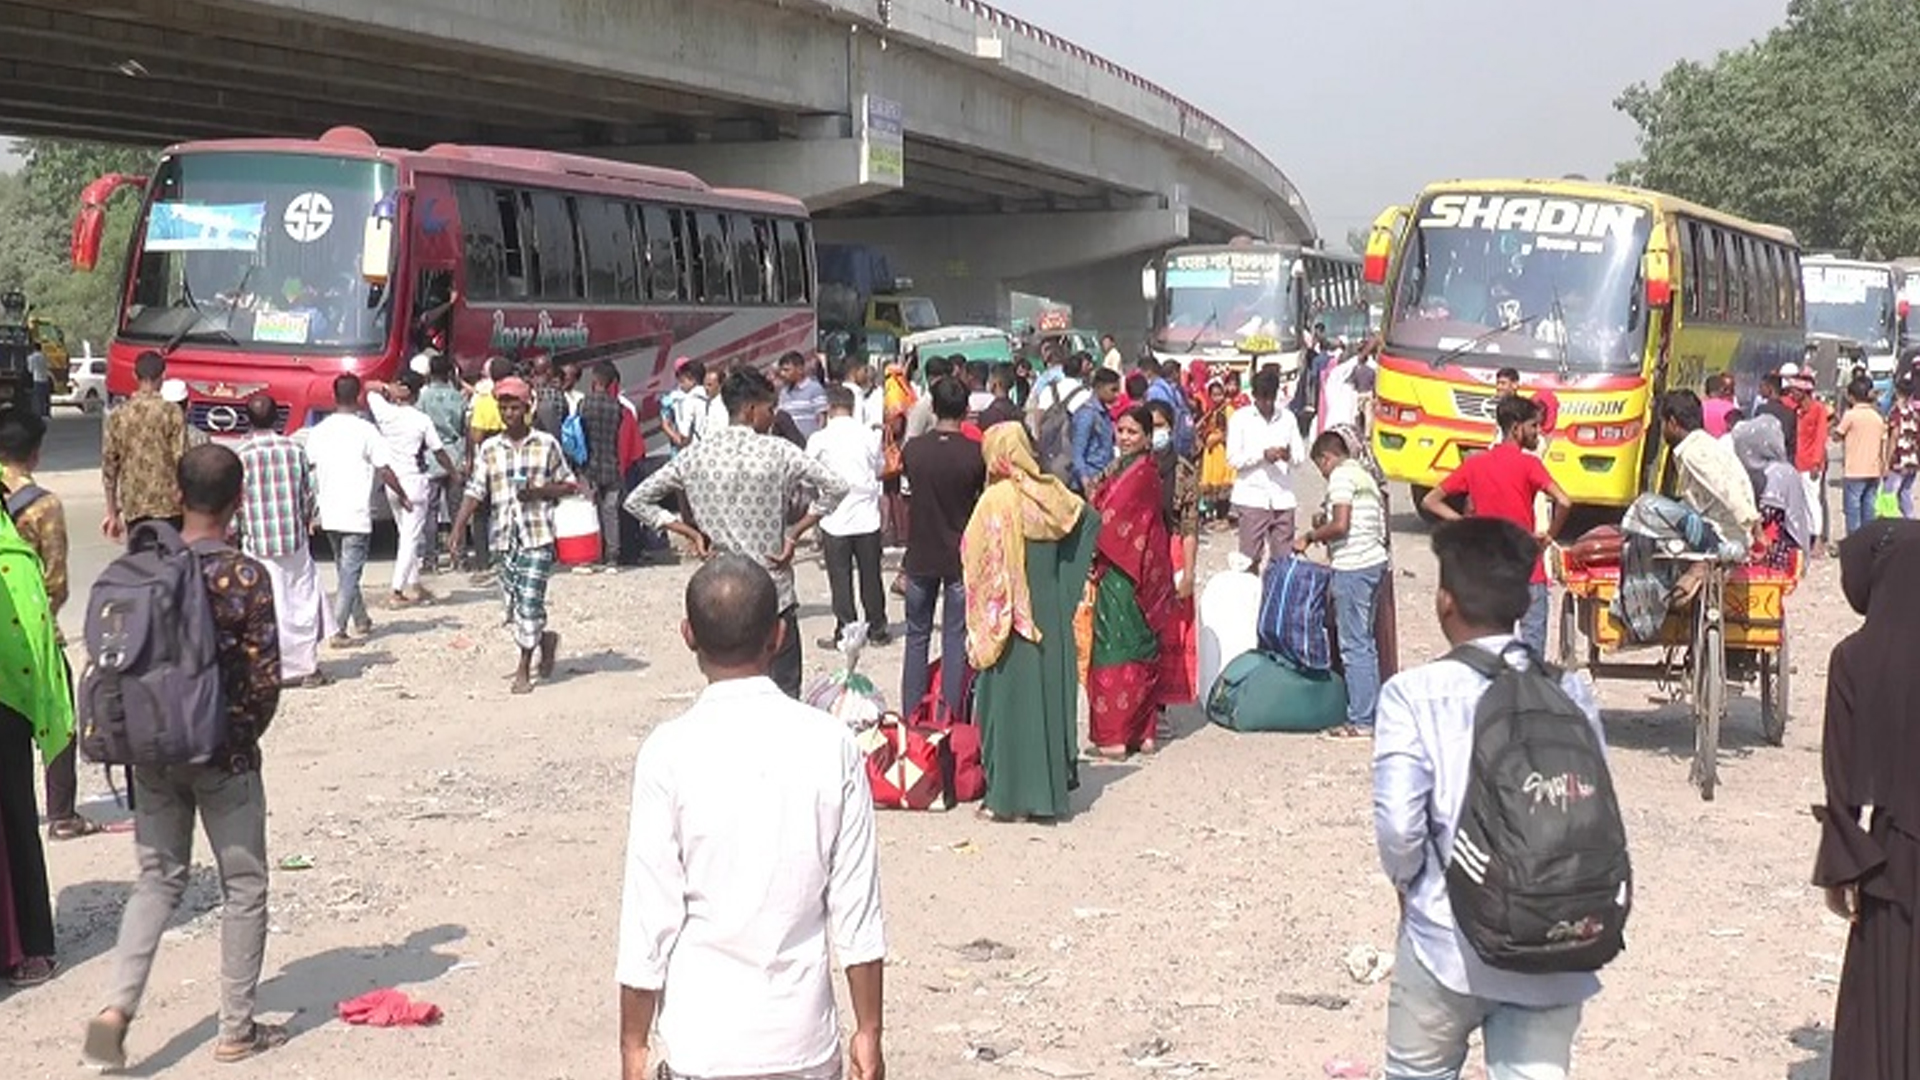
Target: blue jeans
[(1856, 503), (1533, 625), (1428, 1026), (922, 592), (1356, 604), (349, 560)]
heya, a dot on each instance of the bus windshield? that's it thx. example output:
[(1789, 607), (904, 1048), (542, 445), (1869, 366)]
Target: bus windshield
[(1851, 302), (1226, 296), (1531, 281), (259, 250)]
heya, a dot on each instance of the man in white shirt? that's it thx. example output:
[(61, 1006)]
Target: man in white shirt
[(728, 882), (1110, 357), (851, 533), (411, 437), (689, 411), (717, 417), (347, 455), (869, 404), (1263, 445), (920, 418)]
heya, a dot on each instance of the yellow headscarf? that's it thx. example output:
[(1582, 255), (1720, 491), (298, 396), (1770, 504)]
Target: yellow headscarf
[(1020, 504)]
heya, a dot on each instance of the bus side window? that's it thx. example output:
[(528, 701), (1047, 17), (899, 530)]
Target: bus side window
[(1769, 258), (480, 239), (716, 286), (793, 261), (1796, 289), (1712, 299), (748, 283), (1691, 269), (607, 243), (555, 247), (663, 270), (514, 236)]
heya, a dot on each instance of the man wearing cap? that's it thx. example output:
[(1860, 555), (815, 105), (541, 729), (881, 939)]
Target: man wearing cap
[(140, 454), (1809, 439), (522, 473)]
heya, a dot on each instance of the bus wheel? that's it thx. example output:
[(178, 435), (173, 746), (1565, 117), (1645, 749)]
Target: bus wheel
[(1420, 504)]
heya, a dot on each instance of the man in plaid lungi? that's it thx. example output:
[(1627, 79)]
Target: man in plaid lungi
[(521, 473)]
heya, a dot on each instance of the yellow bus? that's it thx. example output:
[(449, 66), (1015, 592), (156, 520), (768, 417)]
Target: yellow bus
[(1600, 297)]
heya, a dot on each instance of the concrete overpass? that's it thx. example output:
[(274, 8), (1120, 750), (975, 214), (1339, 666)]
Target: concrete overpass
[(980, 151)]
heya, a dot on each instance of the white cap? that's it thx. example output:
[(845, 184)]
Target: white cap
[(422, 362), (174, 390), (1787, 371)]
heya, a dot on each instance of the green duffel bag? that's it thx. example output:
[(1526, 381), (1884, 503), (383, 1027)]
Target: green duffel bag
[(1263, 691)]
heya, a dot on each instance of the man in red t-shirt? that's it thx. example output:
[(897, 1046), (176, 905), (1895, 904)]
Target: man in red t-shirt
[(1504, 482), (1810, 451)]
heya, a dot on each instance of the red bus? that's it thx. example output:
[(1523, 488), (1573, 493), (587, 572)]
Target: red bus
[(277, 264)]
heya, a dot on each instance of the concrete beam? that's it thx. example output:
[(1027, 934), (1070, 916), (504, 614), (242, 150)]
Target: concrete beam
[(823, 173), (967, 263)]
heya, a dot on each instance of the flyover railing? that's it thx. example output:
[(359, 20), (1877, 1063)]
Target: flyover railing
[(1188, 111)]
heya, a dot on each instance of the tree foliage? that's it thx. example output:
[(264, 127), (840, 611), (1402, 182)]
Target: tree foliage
[(1807, 127), (37, 209)]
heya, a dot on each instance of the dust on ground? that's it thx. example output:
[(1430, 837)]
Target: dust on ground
[(1194, 917)]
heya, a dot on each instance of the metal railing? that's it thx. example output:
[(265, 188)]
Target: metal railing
[(993, 16)]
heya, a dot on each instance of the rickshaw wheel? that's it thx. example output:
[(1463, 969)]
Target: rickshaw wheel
[(1775, 683), (1570, 657), (1709, 705)]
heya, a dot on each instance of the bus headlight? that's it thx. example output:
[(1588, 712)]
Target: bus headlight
[(1393, 412)]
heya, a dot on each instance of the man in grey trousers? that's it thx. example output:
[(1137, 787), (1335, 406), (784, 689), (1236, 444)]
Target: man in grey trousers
[(226, 793)]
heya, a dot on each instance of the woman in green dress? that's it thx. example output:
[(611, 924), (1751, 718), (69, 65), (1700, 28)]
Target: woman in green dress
[(1025, 557)]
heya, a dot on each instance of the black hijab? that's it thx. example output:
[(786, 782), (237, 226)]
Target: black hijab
[(1871, 752)]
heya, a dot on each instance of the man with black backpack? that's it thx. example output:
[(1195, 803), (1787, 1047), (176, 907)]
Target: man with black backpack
[(1499, 828), (183, 679)]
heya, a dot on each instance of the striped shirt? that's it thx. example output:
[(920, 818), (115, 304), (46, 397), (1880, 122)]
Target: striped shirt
[(277, 498), (1365, 545)]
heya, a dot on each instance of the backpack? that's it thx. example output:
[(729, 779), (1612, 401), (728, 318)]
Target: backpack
[(1293, 612), (151, 693), (1053, 434), (573, 439), (26, 495), (1539, 878)]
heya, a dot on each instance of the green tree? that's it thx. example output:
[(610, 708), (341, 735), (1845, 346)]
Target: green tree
[(37, 211), (1805, 128)]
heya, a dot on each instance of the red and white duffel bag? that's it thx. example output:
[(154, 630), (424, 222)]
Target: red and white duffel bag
[(909, 768)]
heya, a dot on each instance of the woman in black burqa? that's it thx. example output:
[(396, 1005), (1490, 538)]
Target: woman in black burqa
[(1871, 870)]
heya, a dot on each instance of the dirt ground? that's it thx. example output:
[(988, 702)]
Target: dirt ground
[(1193, 917)]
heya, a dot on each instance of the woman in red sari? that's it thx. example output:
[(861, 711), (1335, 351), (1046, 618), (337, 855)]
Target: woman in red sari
[(1133, 595), (1180, 513)]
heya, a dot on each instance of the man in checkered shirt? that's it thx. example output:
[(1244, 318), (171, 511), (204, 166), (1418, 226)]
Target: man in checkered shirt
[(278, 512)]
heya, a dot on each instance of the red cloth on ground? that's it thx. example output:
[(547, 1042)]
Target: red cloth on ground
[(388, 1008)]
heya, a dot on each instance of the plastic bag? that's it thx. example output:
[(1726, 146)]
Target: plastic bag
[(1886, 504), (845, 693)]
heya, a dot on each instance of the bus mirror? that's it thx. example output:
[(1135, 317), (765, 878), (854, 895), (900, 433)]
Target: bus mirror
[(1379, 254), (1657, 270), (1149, 283), (91, 224), (376, 250)]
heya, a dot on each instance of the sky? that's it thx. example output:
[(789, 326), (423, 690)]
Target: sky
[(1363, 103)]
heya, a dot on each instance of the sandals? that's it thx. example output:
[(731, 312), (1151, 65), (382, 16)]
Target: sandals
[(73, 828), (1346, 733), (262, 1038), (33, 971)]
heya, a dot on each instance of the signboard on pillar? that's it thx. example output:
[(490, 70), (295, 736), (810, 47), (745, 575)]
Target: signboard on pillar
[(883, 145)]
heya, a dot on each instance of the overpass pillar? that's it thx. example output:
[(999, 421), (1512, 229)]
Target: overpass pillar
[(968, 263)]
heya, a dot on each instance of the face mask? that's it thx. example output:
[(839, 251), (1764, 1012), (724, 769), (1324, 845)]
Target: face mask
[(1162, 438)]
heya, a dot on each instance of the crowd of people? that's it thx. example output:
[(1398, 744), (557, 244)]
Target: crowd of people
[(1052, 518)]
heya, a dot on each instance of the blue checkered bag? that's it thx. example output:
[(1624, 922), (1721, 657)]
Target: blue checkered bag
[(1293, 613)]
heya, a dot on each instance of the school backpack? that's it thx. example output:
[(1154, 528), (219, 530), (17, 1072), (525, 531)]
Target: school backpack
[(573, 439), (1293, 612), (1538, 878), (1053, 433), (151, 693), (22, 497)]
